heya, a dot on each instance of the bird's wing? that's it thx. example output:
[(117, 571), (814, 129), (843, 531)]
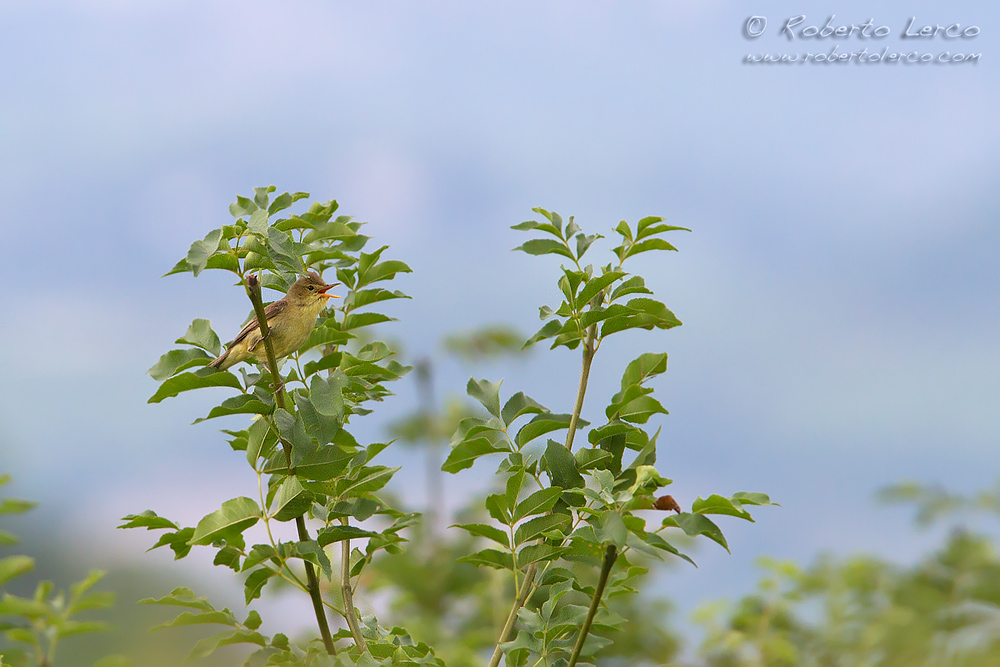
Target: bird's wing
[(269, 312)]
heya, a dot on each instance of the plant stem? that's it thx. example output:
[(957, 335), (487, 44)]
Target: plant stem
[(610, 556), (529, 574), (253, 291), (345, 586), (529, 579), (588, 358)]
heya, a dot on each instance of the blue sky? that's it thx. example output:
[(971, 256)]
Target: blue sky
[(840, 290)]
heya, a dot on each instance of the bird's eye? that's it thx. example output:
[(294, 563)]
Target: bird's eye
[(312, 288)]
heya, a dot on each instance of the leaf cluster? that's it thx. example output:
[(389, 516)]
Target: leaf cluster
[(34, 626)]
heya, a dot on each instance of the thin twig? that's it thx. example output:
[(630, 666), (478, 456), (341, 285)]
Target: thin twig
[(610, 556), (529, 579), (345, 586), (253, 291), (588, 358)]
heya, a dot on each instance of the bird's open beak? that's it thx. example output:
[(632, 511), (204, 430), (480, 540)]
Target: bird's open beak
[(322, 291)]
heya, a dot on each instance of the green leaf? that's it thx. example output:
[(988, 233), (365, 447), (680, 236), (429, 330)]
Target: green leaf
[(751, 498), (200, 251), (179, 542), (624, 230), (8, 539), (261, 439), (14, 506), (644, 367), (148, 520), (545, 247), (535, 528), (208, 645), (482, 530), (499, 507), (230, 520), (188, 381), (517, 405), (258, 222), (326, 395), (177, 360), (639, 410), (181, 597), (371, 479), (546, 227), (542, 424), (15, 566), (200, 334), (697, 524), (244, 404), (549, 330), (386, 270), (647, 245), (487, 393), (283, 251), (202, 618), (291, 501), (596, 284), (611, 529), (634, 285), (716, 504), (562, 466), (465, 453), (336, 533), (255, 583), (311, 551), (538, 502), (535, 553), (498, 560)]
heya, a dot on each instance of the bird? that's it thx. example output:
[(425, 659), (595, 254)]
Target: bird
[(290, 320)]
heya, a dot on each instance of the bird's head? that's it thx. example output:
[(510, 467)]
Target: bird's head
[(310, 290)]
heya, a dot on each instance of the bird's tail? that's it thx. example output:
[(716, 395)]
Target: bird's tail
[(220, 361)]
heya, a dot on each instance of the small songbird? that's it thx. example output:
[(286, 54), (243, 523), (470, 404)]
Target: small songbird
[(290, 320)]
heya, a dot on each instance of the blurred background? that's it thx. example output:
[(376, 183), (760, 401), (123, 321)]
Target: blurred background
[(840, 291)]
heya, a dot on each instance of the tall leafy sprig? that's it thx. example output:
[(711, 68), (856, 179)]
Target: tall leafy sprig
[(35, 626), (586, 512), (307, 464)]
